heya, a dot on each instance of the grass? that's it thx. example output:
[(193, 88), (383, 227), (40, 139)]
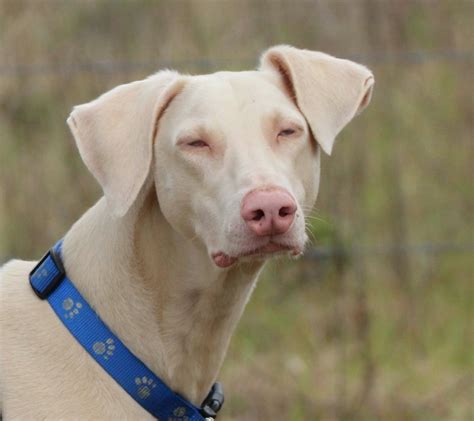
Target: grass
[(305, 348)]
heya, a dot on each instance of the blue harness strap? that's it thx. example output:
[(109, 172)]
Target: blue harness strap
[(49, 281)]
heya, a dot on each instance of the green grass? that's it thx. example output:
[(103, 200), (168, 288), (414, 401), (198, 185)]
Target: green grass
[(311, 343)]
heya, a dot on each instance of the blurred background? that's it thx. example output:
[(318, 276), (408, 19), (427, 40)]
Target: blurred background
[(376, 321)]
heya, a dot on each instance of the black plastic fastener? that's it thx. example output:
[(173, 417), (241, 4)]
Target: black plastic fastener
[(213, 402), (55, 281)]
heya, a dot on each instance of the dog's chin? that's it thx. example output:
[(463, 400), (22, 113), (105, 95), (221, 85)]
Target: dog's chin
[(271, 249)]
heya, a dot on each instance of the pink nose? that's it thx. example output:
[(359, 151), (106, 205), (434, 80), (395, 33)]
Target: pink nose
[(268, 211)]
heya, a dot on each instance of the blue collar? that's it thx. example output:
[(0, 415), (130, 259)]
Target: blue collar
[(49, 281)]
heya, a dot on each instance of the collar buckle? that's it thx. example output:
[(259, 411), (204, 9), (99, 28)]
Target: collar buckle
[(47, 274), (213, 402)]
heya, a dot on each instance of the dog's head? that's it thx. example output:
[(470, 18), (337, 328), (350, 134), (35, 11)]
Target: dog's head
[(234, 156)]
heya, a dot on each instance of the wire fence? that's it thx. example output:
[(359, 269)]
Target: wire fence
[(118, 66), (327, 253)]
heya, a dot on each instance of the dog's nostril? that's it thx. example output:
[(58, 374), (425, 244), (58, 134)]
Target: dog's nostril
[(285, 211), (258, 215)]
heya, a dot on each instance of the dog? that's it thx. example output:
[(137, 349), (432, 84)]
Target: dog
[(204, 178)]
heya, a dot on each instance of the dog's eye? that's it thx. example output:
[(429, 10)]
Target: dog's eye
[(286, 133), (198, 144)]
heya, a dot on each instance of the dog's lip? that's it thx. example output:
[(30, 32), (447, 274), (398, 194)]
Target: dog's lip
[(223, 260)]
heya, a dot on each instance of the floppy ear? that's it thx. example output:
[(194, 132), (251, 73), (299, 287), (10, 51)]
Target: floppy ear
[(115, 133), (329, 91)]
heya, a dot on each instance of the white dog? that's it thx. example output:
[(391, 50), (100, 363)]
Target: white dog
[(204, 177)]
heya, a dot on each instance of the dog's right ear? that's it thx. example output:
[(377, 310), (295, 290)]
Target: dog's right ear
[(115, 134)]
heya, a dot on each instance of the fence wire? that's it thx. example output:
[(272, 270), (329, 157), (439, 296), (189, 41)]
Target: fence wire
[(118, 66), (324, 253)]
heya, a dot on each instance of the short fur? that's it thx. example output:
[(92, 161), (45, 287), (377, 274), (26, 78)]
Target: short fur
[(143, 255)]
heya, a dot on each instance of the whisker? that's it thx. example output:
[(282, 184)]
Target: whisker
[(317, 218), (311, 235)]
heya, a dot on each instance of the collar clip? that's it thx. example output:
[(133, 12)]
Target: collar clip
[(213, 402)]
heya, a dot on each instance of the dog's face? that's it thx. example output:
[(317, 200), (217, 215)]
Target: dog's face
[(234, 156), (236, 165)]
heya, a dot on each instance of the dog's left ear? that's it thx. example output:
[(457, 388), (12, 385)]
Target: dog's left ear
[(329, 91), (115, 133)]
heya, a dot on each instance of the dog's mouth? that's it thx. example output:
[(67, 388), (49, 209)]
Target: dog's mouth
[(223, 260)]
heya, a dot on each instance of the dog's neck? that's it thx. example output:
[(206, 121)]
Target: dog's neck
[(159, 292)]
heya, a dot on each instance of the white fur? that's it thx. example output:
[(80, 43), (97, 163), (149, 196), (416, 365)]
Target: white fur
[(142, 256)]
